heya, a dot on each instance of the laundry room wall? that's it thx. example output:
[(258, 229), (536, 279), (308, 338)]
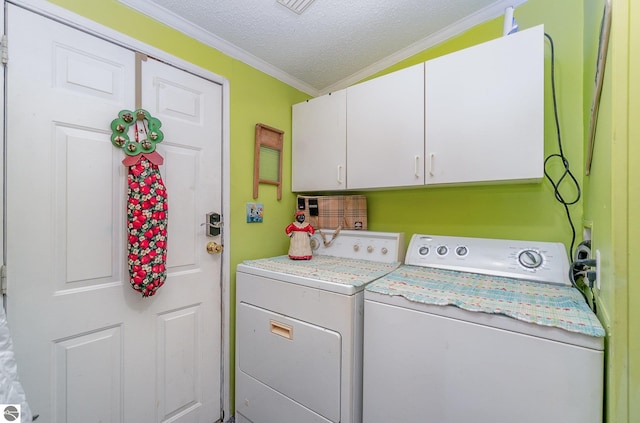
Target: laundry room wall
[(610, 195), (612, 203), (527, 211), (599, 215), (513, 211), (523, 211)]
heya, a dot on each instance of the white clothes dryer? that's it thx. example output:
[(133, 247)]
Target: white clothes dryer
[(299, 329), (484, 331)]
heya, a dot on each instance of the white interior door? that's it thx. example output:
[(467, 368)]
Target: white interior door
[(89, 347)]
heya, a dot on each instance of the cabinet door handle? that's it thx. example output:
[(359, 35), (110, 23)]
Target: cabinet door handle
[(339, 174), (416, 166), (431, 164)]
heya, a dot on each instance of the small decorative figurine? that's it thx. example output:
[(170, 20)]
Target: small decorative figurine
[(300, 234)]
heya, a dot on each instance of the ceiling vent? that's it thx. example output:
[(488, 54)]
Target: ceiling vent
[(297, 6)]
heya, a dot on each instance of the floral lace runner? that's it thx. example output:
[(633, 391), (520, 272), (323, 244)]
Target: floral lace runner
[(543, 304), (327, 268)]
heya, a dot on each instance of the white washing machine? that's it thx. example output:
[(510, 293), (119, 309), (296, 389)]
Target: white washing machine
[(480, 330), (299, 328)]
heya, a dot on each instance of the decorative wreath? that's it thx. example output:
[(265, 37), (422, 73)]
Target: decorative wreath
[(143, 121), (147, 204)]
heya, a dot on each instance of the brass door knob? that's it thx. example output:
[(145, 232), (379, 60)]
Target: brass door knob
[(214, 248)]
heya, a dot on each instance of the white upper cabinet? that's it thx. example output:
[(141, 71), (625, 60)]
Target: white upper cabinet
[(385, 130), (319, 144), (473, 116), (484, 112)]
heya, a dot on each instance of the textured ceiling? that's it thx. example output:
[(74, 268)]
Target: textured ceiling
[(332, 44)]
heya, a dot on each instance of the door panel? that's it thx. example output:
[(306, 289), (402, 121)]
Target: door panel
[(85, 166), (385, 124), (183, 195), (319, 146), (89, 347), (94, 390), (178, 361), (189, 323), (484, 111), (276, 350)]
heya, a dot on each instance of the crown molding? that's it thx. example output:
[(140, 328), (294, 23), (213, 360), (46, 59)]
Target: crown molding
[(178, 23)]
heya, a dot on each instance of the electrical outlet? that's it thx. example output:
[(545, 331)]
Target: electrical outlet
[(587, 229), (598, 267)]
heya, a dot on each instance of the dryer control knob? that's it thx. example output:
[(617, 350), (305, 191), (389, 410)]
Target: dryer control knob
[(384, 250), (356, 247), (370, 249), (442, 250)]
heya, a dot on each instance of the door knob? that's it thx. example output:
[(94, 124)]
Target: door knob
[(214, 248)]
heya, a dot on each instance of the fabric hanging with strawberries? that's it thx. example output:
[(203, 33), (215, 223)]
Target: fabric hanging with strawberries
[(147, 206), (147, 227)]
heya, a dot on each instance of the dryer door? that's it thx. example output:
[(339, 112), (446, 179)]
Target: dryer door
[(297, 359)]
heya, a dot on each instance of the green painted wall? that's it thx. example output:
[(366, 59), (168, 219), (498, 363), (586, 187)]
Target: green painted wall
[(525, 211), (612, 203), (634, 211), (600, 211), (517, 211)]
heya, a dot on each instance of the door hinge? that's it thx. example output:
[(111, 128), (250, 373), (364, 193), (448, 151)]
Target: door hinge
[(3, 279), (5, 49)]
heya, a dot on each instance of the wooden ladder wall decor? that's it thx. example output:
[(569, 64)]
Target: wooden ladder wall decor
[(267, 167)]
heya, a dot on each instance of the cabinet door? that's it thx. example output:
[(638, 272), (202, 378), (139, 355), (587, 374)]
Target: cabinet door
[(484, 111), (385, 130), (319, 143)]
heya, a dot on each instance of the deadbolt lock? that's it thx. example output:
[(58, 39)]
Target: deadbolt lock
[(213, 223)]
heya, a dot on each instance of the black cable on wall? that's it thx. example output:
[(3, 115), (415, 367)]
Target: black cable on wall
[(566, 175)]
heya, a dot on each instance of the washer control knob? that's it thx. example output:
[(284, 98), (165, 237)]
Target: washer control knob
[(442, 250), (531, 259), (462, 251), (356, 247), (423, 251), (384, 250), (370, 249)]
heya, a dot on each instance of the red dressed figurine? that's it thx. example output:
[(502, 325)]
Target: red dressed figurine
[(300, 234)]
